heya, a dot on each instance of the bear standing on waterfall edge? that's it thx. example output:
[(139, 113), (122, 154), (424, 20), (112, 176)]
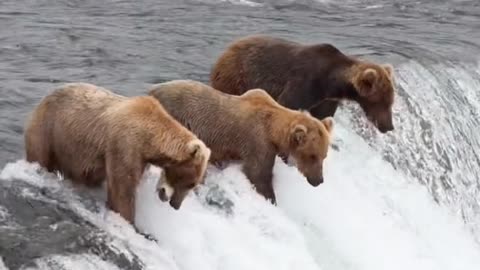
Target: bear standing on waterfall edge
[(310, 77), (251, 128), (88, 133)]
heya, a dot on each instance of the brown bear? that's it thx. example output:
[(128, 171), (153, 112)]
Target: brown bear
[(88, 133), (311, 77), (252, 128)]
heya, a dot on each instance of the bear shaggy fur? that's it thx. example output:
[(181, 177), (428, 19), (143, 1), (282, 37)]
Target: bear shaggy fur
[(311, 77), (88, 133), (252, 128)]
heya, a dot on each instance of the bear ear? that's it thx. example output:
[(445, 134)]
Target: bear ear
[(389, 69), (298, 135), (328, 123), (367, 79), (197, 150)]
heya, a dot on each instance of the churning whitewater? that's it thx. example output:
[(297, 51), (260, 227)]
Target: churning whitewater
[(366, 216)]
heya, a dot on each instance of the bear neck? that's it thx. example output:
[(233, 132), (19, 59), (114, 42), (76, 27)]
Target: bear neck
[(340, 90), (176, 150), (279, 127), (335, 83)]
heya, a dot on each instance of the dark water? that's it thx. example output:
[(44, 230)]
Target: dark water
[(127, 45)]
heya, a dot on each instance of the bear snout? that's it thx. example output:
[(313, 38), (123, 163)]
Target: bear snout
[(175, 204), (385, 127), (385, 122), (315, 181)]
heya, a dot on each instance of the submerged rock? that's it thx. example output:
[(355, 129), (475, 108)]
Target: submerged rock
[(216, 197), (37, 223)]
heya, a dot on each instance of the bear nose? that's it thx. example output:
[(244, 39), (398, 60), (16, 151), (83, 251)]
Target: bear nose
[(385, 128), (175, 204), (162, 194), (315, 181)]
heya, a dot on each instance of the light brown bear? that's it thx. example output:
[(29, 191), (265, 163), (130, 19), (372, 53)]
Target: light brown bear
[(88, 133), (252, 128), (313, 77)]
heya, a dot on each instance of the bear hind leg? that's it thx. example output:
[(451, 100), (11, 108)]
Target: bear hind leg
[(38, 148)]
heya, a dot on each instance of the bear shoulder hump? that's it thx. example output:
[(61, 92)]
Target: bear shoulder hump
[(256, 93), (326, 49)]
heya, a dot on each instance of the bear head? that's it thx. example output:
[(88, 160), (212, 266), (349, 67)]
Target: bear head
[(309, 140), (178, 178), (374, 86)]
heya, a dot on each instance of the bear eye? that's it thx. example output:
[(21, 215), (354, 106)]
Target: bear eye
[(313, 157), (190, 186)]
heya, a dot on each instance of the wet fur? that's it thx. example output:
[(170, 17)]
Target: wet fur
[(89, 133), (252, 127), (311, 77)]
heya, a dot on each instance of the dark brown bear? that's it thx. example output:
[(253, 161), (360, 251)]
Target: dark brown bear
[(87, 133), (311, 77), (252, 128)]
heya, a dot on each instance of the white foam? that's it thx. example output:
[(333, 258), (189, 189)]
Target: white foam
[(235, 2), (2, 265), (4, 214), (257, 236), (369, 216), (365, 216), (436, 115), (85, 261)]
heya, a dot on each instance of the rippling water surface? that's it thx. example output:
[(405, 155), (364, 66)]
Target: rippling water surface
[(127, 45)]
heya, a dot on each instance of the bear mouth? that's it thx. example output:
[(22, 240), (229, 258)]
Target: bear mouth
[(162, 195), (291, 161), (383, 128)]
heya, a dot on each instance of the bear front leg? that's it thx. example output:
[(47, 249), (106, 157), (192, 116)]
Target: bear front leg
[(260, 173), (324, 109), (122, 179), (296, 96)]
